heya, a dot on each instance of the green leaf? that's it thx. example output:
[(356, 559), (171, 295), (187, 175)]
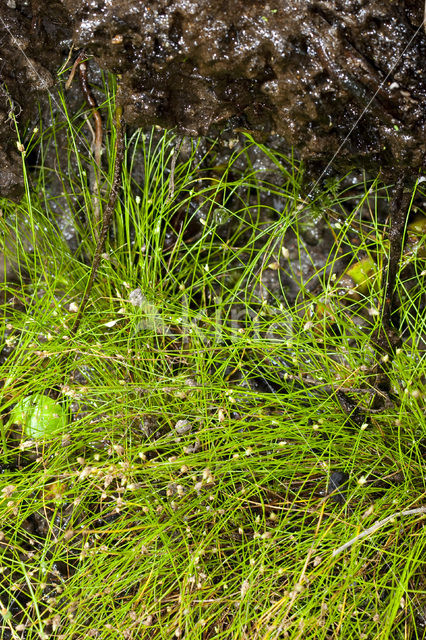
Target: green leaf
[(39, 415), (363, 273)]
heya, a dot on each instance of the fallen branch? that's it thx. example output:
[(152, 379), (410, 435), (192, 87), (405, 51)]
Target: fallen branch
[(378, 525)]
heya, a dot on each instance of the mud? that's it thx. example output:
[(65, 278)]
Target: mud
[(342, 82)]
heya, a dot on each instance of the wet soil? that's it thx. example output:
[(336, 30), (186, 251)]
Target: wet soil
[(343, 82)]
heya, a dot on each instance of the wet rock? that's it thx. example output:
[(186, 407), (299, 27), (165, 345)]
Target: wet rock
[(136, 298), (182, 426), (316, 72), (342, 81), (34, 40), (337, 486)]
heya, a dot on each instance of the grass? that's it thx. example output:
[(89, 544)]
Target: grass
[(222, 375)]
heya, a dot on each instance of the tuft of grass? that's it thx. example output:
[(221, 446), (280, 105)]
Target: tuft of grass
[(224, 432)]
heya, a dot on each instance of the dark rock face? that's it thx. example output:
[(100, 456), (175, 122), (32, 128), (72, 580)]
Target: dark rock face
[(341, 80), (33, 43), (316, 72)]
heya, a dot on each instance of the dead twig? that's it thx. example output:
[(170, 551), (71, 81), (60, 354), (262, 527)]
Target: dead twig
[(109, 210), (387, 338), (81, 56), (95, 112), (175, 154), (398, 215), (378, 525), (80, 63)]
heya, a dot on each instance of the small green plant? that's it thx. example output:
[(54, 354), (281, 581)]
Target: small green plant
[(39, 416)]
